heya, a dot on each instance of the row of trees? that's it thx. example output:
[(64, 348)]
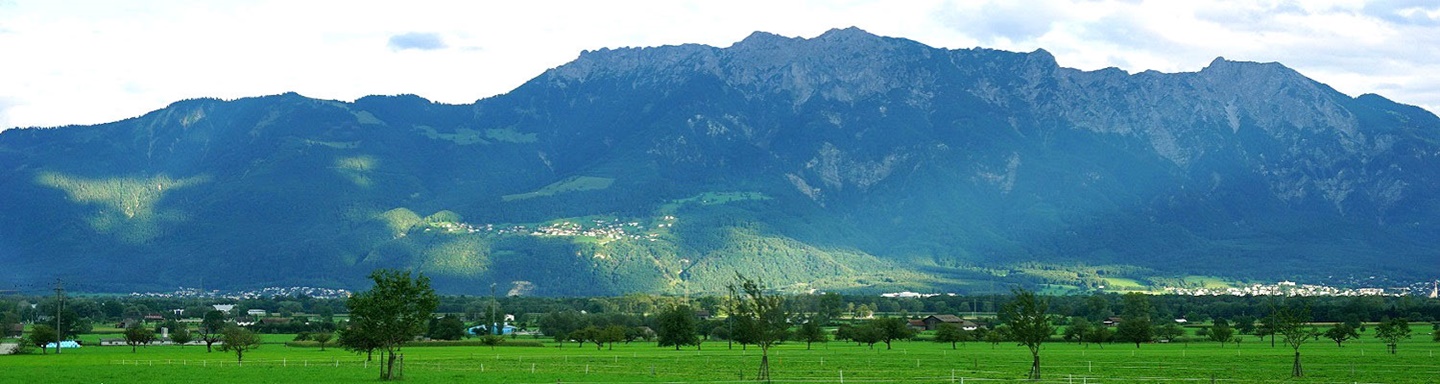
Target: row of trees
[(399, 308), (1243, 313)]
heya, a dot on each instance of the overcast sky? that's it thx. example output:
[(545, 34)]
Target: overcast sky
[(87, 62)]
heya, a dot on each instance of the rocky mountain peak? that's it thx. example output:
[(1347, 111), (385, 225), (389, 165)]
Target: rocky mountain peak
[(835, 155)]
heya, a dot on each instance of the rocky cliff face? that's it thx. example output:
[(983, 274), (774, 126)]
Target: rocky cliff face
[(844, 154)]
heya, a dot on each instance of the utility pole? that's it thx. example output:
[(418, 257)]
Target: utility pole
[(59, 305), (493, 328)]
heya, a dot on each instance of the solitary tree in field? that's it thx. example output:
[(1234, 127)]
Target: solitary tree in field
[(1340, 333), (1077, 330), (181, 336), (810, 332), (239, 340), (392, 313), (322, 338), (951, 333), (584, 335), (1100, 335), (211, 328), (866, 334), (677, 326), (1169, 332), (997, 335), (766, 312), (1029, 324), (1135, 324), (1290, 324), (136, 335), (1221, 332), (1266, 327), (491, 341), (892, 328), (1392, 331), (41, 335), (610, 335)]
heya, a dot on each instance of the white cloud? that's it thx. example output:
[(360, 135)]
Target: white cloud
[(96, 62), (422, 41)]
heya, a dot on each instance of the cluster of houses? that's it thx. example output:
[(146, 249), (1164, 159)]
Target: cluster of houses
[(613, 229), (1283, 288)]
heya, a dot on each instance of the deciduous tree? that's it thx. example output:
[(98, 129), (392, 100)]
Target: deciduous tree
[(1169, 332), (322, 338), (810, 332), (1077, 329), (1221, 332), (1135, 325), (41, 335), (1100, 335), (560, 324), (392, 313), (136, 335), (181, 336), (769, 319), (1340, 333), (1392, 331), (611, 334), (1029, 324), (1290, 324), (239, 340), (866, 334), (448, 327), (951, 333), (892, 328), (211, 329), (677, 327)]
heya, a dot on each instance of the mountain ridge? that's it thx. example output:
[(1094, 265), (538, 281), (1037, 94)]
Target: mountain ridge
[(862, 162)]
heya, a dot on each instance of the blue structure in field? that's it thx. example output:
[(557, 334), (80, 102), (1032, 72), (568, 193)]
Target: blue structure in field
[(482, 329), (64, 344)]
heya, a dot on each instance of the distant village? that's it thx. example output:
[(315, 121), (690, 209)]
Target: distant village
[(262, 293), (1429, 289), (1290, 288), (613, 229)]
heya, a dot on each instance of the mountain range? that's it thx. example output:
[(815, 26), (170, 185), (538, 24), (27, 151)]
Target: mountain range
[(848, 161)]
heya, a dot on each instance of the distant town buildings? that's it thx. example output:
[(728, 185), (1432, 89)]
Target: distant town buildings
[(268, 292), (1285, 288)]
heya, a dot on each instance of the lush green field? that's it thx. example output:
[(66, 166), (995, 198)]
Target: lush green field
[(908, 362)]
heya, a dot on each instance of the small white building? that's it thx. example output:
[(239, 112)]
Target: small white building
[(224, 307), (255, 312)]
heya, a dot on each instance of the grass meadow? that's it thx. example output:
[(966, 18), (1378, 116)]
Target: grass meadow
[(834, 362)]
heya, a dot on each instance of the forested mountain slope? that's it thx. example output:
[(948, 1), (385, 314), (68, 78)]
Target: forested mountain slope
[(846, 161)]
